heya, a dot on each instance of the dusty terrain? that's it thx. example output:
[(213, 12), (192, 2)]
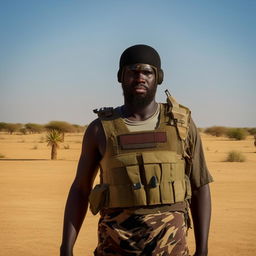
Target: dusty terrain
[(33, 191)]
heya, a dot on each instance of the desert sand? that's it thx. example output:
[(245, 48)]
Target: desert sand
[(33, 192)]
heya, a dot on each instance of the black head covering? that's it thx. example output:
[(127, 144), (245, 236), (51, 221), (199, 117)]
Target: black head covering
[(141, 53)]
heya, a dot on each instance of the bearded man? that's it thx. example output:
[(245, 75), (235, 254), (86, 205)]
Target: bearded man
[(152, 170)]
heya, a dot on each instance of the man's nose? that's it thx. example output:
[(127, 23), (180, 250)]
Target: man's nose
[(140, 77)]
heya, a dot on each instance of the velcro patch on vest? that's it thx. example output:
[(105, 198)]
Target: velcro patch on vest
[(141, 140)]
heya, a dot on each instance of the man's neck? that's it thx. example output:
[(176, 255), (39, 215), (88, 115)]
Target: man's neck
[(139, 113)]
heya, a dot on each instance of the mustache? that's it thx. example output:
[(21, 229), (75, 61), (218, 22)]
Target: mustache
[(140, 85)]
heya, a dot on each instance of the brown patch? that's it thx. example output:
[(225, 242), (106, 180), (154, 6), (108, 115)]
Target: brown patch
[(141, 140)]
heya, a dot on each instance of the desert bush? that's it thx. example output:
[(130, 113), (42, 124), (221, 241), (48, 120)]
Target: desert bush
[(66, 146), (35, 147), (3, 126), (237, 133), (251, 131), (200, 129), (79, 128), (2, 156), (216, 131), (235, 156), (60, 126), (23, 130), (11, 127), (34, 128)]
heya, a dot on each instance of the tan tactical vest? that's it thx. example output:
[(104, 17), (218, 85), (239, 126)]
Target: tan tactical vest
[(143, 168)]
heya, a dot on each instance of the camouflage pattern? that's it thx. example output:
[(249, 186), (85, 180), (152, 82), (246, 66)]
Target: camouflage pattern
[(123, 233)]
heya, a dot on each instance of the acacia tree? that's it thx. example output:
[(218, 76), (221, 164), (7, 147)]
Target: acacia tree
[(34, 128), (60, 126), (11, 127), (53, 139)]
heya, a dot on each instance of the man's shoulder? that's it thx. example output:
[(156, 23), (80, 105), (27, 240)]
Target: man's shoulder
[(94, 127)]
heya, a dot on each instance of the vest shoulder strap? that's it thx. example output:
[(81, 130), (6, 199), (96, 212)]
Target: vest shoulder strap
[(106, 113), (180, 114)]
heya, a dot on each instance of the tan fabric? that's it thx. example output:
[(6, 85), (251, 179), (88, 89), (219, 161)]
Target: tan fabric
[(149, 124), (197, 170), (143, 173)]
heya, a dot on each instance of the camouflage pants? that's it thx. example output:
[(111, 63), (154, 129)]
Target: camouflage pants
[(158, 234)]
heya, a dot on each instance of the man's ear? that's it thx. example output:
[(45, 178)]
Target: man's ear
[(160, 76)]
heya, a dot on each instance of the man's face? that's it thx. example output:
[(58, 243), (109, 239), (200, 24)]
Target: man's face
[(139, 84)]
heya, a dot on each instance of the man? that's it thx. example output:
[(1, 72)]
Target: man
[(152, 168)]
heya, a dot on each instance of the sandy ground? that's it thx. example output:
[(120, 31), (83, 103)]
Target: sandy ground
[(33, 191)]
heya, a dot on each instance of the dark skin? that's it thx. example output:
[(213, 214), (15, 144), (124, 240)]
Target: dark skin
[(139, 83)]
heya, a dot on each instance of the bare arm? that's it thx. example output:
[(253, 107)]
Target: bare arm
[(77, 202), (201, 214)]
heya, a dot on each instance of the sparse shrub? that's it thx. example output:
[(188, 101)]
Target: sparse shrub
[(35, 147), (216, 131), (60, 126), (251, 131), (23, 130), (79, 128), (34, 128), (237, 133), (66, 146), (3, 126), (235, 156), (200, 129), (11, 128), (2, 156)]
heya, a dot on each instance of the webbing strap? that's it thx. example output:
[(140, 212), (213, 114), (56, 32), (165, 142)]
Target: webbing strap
[(180, 114)]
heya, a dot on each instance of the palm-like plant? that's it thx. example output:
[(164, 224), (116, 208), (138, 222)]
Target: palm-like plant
[(53, 138)]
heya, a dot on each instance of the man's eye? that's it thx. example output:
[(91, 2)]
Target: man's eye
[(147, 72)]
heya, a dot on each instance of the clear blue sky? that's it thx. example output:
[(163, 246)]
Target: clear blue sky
[(59, 59)]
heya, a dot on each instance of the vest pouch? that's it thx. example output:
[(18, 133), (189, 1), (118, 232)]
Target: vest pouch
[(166, 188), (188, 188), (160, 164), (98, 198), (136, 186), (179, 187), (153, 179)]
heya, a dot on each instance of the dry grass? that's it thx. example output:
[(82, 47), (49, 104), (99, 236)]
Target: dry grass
[(235, 156)]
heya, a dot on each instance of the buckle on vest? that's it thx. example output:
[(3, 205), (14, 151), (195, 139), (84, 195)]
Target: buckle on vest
[(153, 182), (136, 186)]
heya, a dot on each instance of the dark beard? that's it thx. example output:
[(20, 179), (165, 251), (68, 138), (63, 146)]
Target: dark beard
[(138, 100)]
